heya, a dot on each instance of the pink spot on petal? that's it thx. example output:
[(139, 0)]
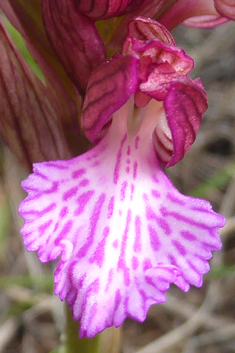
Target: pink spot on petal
[(43, 227), (63, 212), (56, 165), (154, 240), (132, 191), (176, 200), (98, 255), (179, 247), (84, 182), (41, 175), (82, 201), (110, 207), (188, 235), (135, 167), (53, 189), (137, 139), (110, 278), (155, 179), (43, 212), (65, 230), (56, 226), (77, 173), (147, 264), (156, 194), (95, 164), (161, 222), (123, 190), (118, 161), (93, 224), (117, 299), (70, 193), (172, 260), (135, 263), (183, 218)]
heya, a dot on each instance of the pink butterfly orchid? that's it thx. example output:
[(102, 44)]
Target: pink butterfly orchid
[(121, 229)]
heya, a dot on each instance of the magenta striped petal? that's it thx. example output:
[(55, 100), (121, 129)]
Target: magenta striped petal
[(159, 52), (184, 104), (159, 62), (146, 29), (109, 87), (158, 82), (124, 233)]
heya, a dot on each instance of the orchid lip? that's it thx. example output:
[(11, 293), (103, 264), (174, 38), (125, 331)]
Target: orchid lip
[(123, 231)]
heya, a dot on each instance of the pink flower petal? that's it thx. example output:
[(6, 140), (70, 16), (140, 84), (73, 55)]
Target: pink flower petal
[(159, 52), (109, 87), (206, 21), (188, 11), (184, 104), (159, 62), (124, 233), (226, 8), (142, 28), (158, 82)]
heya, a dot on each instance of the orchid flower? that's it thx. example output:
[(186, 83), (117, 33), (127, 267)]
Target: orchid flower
[(121, 229)]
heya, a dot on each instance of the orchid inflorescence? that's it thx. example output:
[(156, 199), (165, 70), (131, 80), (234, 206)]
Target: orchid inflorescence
[(123, 232)]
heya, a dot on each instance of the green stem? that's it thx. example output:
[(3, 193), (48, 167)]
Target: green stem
[(75, 344)]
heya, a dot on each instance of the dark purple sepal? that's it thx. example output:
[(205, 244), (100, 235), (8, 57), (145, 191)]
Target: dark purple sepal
[(102, 9), (74, 38), (29, 122), (134, 5), (184, 104), (226, 8), (25, 16), (109, 87)]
